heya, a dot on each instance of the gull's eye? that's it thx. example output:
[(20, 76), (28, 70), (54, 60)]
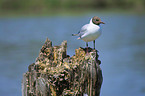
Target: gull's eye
[(97, 20)]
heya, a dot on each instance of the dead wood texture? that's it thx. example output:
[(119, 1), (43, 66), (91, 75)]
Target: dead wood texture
[(56, 74)]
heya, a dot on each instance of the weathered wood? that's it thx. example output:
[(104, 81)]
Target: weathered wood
[(56, 74)]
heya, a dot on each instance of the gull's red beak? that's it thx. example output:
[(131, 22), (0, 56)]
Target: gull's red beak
[(102, 22)]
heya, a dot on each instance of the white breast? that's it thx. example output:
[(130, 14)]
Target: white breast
[(92, 33)]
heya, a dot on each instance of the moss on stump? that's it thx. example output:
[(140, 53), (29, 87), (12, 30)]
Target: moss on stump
[(56, 74)]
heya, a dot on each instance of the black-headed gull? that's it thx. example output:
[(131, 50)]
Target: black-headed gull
[(91, 31)]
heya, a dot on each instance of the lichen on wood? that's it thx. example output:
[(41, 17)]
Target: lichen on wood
[(56, 74)]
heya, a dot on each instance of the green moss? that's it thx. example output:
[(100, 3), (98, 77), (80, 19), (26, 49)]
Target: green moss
[(66, 76)]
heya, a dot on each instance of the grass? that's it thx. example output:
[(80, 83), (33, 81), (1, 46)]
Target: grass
[(65, 12)]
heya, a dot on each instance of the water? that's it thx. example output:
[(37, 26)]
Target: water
[(121, 48)]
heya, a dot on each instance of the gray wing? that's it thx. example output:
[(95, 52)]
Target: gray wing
[(83, 30)]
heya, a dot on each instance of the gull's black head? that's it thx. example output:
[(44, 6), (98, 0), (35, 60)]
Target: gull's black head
[(96, 20)]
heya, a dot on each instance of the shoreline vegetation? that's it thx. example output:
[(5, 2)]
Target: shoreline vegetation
[(70, 7)]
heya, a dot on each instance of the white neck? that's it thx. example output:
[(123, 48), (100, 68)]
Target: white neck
[(93, 23)]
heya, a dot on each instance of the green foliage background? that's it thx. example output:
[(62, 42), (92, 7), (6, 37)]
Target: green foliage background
[(46, 6)]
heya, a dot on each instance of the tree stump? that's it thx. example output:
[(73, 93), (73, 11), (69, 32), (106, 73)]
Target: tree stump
[(56, 74)]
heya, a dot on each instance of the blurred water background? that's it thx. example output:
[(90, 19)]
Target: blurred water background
[(25, 25)]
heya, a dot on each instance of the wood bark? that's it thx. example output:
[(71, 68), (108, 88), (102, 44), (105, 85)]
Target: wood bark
[(54, 73)]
